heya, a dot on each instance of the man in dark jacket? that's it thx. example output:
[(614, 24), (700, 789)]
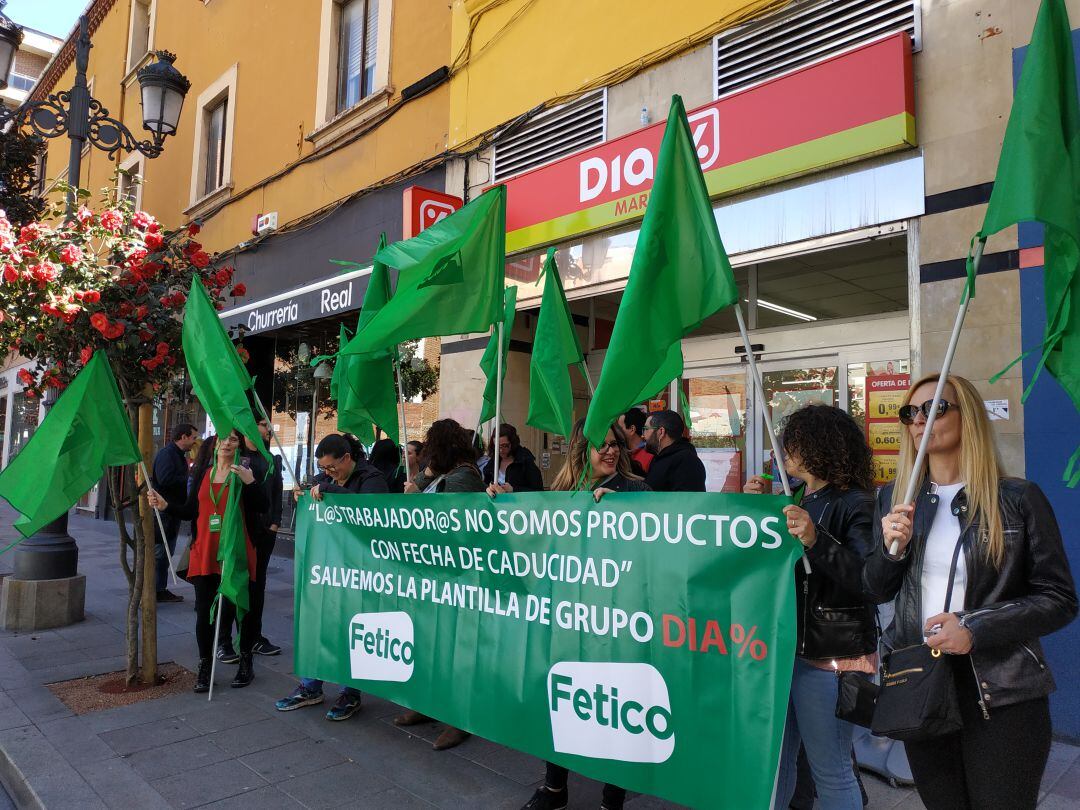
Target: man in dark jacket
[(169, 479), (675, 466)]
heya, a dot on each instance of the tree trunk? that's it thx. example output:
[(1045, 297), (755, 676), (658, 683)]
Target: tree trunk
[(145, 521), (132, 572)]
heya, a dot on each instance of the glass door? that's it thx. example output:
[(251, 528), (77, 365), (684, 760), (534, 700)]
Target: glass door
[(718, 402)]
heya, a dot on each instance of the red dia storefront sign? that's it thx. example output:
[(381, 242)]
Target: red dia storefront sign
[(850, 106)]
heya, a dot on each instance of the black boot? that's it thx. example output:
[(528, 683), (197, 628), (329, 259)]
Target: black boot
[(246, 673), (202, 679)]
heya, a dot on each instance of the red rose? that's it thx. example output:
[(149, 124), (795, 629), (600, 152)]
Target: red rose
[(142, 289), (200, 259), (114, 330), (146, 334), (25, 377), (191, 248), (141, 312), (150, 269), (223, 276), (91, 296), (85, 355), (85, 216), (154, 241), (163, 348), (28, 233), (99, 322), (112, 220), (239, 289), (11, 274), (123, 309), (193, 229), (70, 254), (142, 220)]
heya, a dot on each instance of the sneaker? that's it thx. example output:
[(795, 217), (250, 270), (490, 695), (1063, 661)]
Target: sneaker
[(264, 647), (545, 799), (344, 707), (226, 654), (298, 700), (169, 596)]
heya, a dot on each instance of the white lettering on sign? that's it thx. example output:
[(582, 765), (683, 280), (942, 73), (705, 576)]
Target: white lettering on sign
[(269, 318), (335, 301), (630, 171)]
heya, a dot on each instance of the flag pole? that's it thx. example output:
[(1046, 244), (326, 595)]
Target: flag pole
[(273, 435), (213, 652), (161, 526), (759, 390), (401, 399), (946, 365), (588, 380), (498, 404)]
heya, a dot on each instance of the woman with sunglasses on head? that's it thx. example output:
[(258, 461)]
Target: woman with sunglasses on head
[(217, 469), (837, 624), (608, 471), (1011, 586)]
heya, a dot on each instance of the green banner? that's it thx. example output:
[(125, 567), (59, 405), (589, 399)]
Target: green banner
[(645, 641)]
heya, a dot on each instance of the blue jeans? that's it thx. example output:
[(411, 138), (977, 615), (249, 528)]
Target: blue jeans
[(812, 722), (315, 685)]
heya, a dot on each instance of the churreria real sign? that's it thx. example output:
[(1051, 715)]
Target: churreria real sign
[(840, 109), (646, 641)]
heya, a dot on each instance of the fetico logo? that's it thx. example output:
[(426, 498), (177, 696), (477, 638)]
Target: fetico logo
[(381, 646), (610, 711)]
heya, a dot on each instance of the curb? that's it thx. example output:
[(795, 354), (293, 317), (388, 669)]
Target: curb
[(16, 784)]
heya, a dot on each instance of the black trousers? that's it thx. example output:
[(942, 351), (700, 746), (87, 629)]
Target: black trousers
[(264, 544), (206, 588), (994, 764), (557, 777)]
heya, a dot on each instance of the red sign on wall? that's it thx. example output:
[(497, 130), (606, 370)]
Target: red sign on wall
[(423, 207), (849, 106)]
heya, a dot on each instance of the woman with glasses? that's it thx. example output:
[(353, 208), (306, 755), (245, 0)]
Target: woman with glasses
[(836, 623), (601, 470), (1011, 586), (515, 468)]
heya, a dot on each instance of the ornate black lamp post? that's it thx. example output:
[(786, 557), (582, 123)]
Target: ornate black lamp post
[(52, 553)]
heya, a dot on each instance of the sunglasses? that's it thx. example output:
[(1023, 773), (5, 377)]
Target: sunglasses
[(907, 412)]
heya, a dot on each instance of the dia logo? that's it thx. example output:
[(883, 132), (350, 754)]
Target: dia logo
[(381, 646), (610, 711)]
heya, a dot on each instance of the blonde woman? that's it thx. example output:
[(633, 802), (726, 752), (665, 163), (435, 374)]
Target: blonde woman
[(1012, 585)]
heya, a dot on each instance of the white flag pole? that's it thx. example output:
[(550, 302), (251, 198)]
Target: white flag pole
[(213, 652), (495, 460), (946, 365), (161, 526), (273, 435), (401, 400)]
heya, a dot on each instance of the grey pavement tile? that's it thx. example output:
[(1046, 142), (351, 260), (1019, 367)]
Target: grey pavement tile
[(81, 669), (76, 740), (266, 798), (5, 701), (212, 783), (524, 769), (911, 802), (139, 713), (398, 799), (186, 755), (154, 734), (39, 703), (882, 795), (1054, 801), (120, 787), (292, 759), (13, 717), (224, 714), (63, 789), (50, 658), (338, 786), (238, 741), (26, 645)]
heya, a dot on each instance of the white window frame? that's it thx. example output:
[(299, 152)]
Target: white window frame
[(135, 163), (223, 88), (135, 60), (329, 124)]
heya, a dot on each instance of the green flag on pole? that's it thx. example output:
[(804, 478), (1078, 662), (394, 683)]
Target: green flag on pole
[(232, 548), (450, 278), (218, 376), (489, 362), (680, 276), (364, 386), (1038, 179), (87, 430), (555, 349)]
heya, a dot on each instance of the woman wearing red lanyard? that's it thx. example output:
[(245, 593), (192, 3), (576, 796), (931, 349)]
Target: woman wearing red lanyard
[(215, 471)]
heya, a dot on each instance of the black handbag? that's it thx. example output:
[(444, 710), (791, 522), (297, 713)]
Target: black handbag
[(917, 699), (856, 698)]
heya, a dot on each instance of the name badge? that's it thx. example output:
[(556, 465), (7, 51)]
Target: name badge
[(215, 522)]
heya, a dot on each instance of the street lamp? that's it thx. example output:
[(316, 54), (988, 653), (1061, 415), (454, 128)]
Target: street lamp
[(81, 117), (51, 553)]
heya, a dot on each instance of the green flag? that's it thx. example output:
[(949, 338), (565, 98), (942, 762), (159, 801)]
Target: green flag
[(680, 276), (450, 278), (1038, 179), (87, 430), (232, 548), (218, 376), (490, 361), (555, 349), (364, 387)]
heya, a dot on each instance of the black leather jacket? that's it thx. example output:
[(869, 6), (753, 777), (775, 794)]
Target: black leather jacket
[(835, 618), (1006, 610)]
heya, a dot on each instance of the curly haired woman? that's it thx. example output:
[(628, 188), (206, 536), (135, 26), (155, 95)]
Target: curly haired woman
[(837, 629)]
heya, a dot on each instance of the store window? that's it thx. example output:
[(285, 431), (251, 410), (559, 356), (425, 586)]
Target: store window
[(358, 29), (718, 412), (24, 421)]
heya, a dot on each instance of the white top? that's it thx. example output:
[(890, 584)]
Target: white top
[(937, 558)]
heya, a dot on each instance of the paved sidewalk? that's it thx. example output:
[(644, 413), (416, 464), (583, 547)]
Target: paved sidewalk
[(238, 752)]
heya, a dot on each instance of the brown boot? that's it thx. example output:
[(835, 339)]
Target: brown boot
[(411, 718), (449, 738)]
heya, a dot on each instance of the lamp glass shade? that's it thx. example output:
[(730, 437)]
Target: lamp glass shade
[(161, 107)]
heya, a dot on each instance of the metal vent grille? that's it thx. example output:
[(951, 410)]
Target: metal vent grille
[(806, 32), (551, 135)]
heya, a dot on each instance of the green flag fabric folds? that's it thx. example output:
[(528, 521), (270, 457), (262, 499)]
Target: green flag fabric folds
[(87, 430), (232, 548), (218, 376), (555, 349), (490, 361), (1038, 179), (364, 386), (450, 278), (680, 276)]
